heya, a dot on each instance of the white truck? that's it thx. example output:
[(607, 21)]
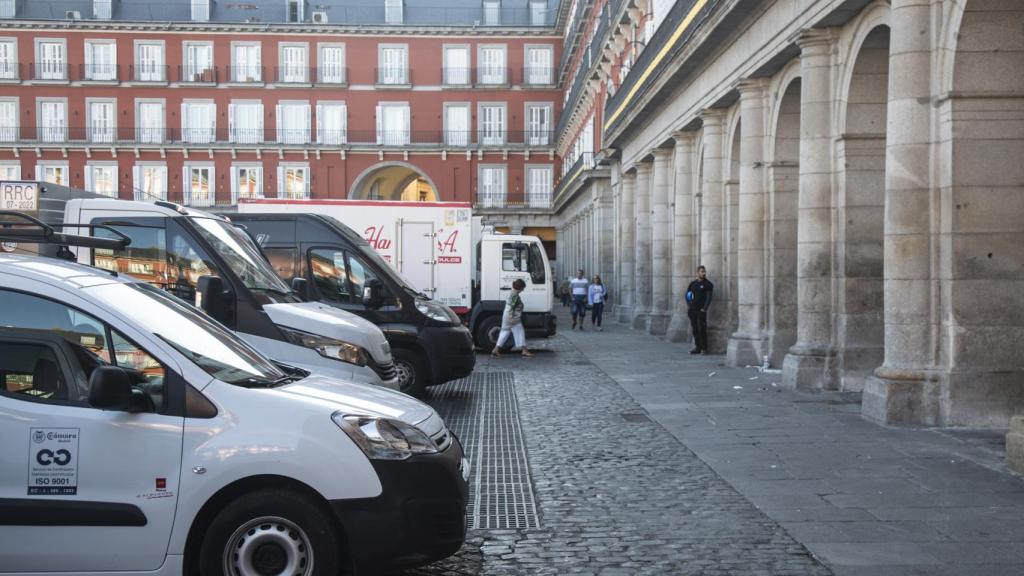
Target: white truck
[(430, 245)]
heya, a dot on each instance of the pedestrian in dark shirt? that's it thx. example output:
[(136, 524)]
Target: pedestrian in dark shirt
[(698, 300)]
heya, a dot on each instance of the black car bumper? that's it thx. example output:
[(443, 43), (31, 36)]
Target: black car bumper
[(420, 516), (450, 351), (539, 324)]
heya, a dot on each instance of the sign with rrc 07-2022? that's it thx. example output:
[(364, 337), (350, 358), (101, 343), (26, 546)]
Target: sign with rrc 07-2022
[(20, 196)]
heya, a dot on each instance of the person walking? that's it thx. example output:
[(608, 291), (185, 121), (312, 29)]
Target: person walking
[(596, 295), (512, 321), (698, 300), (579, 299), (565, 292)]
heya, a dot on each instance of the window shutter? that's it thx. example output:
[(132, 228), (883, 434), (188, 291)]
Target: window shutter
[(308, 134), (280, 182), (234, 185), (231, 122), (344, 124), (319, 123), (280, 135), (380, 125)]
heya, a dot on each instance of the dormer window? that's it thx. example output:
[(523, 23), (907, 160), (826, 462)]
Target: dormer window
[(102, 9), (295, 10), (393, 11), (492, 12), (7, 8), (200, 10)]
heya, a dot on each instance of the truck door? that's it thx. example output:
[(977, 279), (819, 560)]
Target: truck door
[(416, 254), (524, 260), (81, 489)]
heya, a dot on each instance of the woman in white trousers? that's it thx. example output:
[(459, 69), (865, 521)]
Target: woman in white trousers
[(512, 321)]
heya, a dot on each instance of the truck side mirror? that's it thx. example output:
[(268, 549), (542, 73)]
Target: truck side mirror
[(301, 287), (373, 293), (110, 388), (212, 298)]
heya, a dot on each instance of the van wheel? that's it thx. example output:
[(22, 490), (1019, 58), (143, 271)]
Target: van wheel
[(412, 374), (487, 333), (271, 532)]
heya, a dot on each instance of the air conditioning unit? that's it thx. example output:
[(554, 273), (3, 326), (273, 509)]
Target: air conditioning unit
[(320, 16), (73, 15)]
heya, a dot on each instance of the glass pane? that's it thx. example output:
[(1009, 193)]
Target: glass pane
[(329, 275)]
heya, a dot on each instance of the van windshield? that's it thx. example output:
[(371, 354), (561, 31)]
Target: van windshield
[(242, 257), (208, 344)]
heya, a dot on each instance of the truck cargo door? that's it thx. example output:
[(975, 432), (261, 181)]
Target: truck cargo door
[(416, 254)]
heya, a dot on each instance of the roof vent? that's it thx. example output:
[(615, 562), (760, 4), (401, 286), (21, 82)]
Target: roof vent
[(320, 16), (73, 15)]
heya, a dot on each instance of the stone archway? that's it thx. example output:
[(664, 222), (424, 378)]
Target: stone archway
[(732, 225), (394, 181)]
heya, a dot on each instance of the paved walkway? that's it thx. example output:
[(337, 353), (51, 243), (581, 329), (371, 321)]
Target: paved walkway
[(862, 498)]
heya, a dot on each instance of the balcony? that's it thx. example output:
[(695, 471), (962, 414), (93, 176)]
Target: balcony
[(457, 76), (396, 77), (575, 174), (493, 76), (99, 72), (502, 203), (244, 74), (49, 71), (197, 74), (335, 75), (538, 76), (151, 73), (10, 72), (294, 74)]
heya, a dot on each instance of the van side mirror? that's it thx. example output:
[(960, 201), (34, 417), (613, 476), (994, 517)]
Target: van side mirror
[(110, 388), (212, 298), (373, 293), (301, 287)]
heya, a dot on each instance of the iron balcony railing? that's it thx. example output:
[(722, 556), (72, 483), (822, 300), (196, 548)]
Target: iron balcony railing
[(538, 76), (457, 76), (99, 72), (49, 71), (197, 74), (492, 76), (294, 74), (393, 76), (244, 74), (584, 162), (331, 74), (530, 201), (148, 72)]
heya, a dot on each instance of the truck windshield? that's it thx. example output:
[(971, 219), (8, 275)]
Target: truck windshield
[(242, 257), (208, 344)]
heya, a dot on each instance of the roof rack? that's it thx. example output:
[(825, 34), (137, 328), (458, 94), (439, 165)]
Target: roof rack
[(20, 227)]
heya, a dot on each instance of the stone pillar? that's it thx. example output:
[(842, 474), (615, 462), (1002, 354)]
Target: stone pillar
[(683, 266), (605, 265), (902, 390), (750, 342), (642, 260), (810, 363), (661, 243), (627, 241), (713, 227)]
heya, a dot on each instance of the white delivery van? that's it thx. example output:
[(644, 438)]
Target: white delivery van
[(141, 436), (430, 245)]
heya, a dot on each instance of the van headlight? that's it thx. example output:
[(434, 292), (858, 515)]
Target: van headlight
[(384, 438), (436, 311), (327, 347)]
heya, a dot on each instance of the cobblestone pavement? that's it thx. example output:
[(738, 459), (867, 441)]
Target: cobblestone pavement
[(615, 492)]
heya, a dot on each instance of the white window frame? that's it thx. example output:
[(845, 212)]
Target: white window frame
[(293, 73), (138, 193), (460, 76), (92, 69), (245, 135), (282, 170), (150, 72), (534, 13), (10, 170), (193, 72), (539, 198), (486, 137), (300, 14), (43, 165), (250, 72), (236, 189), (463, 137), (12, 133), (491, 198), (392, 78), (335, 136), (146, 134), (9, 66), (492, 79), (293, 134), (340, 76), (52, 133), (532, 76), (393, 137), (492, 13), (8, 8), (102, 9), (200, 10), (394, 11), (108, 135), (203, 134), (186, 183), (90, 177), (57, 71), (546, 137)]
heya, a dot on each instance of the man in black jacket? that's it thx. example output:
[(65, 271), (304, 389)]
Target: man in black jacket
[(698, 299)]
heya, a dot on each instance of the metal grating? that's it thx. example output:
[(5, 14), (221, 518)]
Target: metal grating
[(482, 410)]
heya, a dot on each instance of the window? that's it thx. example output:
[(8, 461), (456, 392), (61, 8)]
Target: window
[(10, 171), (538, 13), (246, 181), (53, 120), (393, 11), (199, 185), (282, 260), (9, 120), (100, 60), (293, 122), (51, 60), (293, 181), (101, 179), (38, 331), (8, 60), (198, 122), (456, 124), (492, 124), (538, 65), (456, 65), (246, 63), (7, 8), (198, 63), (149, 62), (295, 10), (492, 64), (492, 186), (102, 9), (200, 10), (538, 124), (492, 12), (293, 63), (393, 65), (331, 121), (538, 186), (393, 124), (246, 122), (101, 118), (149, 121), (332, 63), (54, 173), (522, 257), (339, 276), (150, 182)]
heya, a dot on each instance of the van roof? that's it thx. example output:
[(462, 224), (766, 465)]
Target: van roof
[(164, 209), (57, 272)]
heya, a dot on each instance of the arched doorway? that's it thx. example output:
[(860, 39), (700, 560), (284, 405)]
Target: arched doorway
[(394, 181), (784, 178)]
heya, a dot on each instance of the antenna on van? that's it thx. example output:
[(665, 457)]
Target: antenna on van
[(20, 227)]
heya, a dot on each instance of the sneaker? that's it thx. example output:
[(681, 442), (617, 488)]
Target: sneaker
[(695, 351), (599, 329)]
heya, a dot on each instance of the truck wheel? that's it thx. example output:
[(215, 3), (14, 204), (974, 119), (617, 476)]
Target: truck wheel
[(271, 532), (412, 374), (487, 333)]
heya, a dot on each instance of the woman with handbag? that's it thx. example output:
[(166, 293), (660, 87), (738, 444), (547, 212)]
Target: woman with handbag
[(596, 296), (512, 321)]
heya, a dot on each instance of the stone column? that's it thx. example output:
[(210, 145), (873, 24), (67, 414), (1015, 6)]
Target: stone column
[(902, 391), (683, 266), (810, 363), (627, 241), (642, 276), (661, 243), (713, 227), (750, 342)]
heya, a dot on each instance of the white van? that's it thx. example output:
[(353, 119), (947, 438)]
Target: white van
[(140, 436)]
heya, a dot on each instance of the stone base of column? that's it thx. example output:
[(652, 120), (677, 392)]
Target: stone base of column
[(718, 340), (679, 328), (624, 314), (893, 398), (1015, 444), (966, 398), (640, 318), (746, 350), (809, 369), (657, 324)]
